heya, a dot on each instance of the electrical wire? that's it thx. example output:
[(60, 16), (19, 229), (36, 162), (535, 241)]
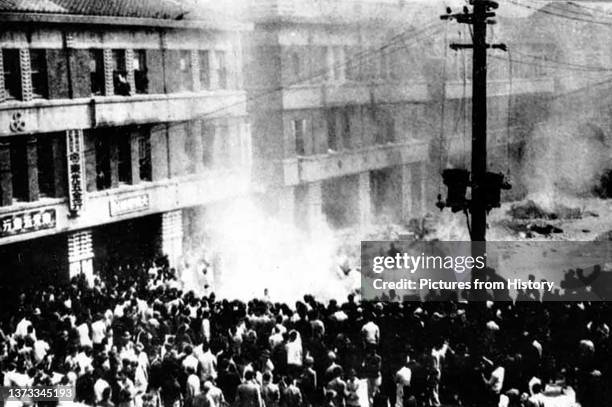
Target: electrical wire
[(535, 64), (581, 66), (443, 107), (509, 112)]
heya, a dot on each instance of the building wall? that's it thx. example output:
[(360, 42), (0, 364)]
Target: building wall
[(161, 146)]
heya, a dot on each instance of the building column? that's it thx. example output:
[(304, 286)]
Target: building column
[(32, 167), (195, 69), (129, 69), (109, 83), (314, 202), (2, 91), (195, 132), (365, 199), (214, 77), (172, 236), (114, 158), (407, 193), (59, 168), (423, 171), (81, 255), (26, 74), (6, 176), (135, 156), (414, 190)]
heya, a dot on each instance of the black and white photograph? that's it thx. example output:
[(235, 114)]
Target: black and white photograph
[(305, 203)]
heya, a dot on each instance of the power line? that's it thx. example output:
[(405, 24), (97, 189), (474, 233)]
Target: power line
[(567, 68), (590, 67)]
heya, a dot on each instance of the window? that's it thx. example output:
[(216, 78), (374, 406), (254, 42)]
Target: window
[(389, 128), (208, 139), (221, 69), (338, 61), (295, 66), (140, 71), (205, 69), (377, 118), (38, 69), (120, 83), (223, 144), (12, 69), (189, 147), (144, 156), (385, 62), (124, 154), (46, 167), (299, 133), (346, 127), (332, 137), (185, 70), (96, 71), (352, 67), (103, 170), (19, 169)]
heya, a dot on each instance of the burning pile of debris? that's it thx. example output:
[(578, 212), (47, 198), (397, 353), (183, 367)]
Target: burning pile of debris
[(531, 210), (529, 220)]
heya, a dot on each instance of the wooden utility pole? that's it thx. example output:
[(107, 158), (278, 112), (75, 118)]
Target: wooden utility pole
[(479, 19), (478, 209)]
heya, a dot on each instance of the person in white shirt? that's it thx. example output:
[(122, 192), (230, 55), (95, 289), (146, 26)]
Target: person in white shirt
[(208, 362), (41, 348), (214, 395), (370, 333), (193, 384), (403, 378), (294, 351), (206, 327), (98, 331), (495, 382), (99, 386), (22, 327), (190, 360), (276, 338), (83, 330)]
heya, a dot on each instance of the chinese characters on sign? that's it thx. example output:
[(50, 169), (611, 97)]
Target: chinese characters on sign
[(74, 145), (121, 206), (27, 222)]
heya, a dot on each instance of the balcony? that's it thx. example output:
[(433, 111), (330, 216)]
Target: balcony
[(130, 201), (337, 164), (354, 93), (45, 116)]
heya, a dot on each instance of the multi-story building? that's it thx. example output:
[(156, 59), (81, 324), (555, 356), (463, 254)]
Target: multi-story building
[(118, 119), (358, 105), (339, 110), (121, 122)]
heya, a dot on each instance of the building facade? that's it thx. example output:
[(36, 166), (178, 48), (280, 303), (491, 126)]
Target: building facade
[(115, 124), (358, 106)]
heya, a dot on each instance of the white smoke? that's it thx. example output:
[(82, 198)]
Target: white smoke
[(564, 161), (257, 252)]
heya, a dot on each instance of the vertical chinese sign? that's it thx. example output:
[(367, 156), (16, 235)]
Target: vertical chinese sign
[(75, 153)]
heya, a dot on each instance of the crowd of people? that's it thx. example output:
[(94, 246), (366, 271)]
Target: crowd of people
[(137, 338)]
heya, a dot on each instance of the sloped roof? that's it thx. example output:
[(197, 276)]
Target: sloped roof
[(161, 9)]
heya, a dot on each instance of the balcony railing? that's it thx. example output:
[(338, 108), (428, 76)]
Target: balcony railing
[(45, 116)]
